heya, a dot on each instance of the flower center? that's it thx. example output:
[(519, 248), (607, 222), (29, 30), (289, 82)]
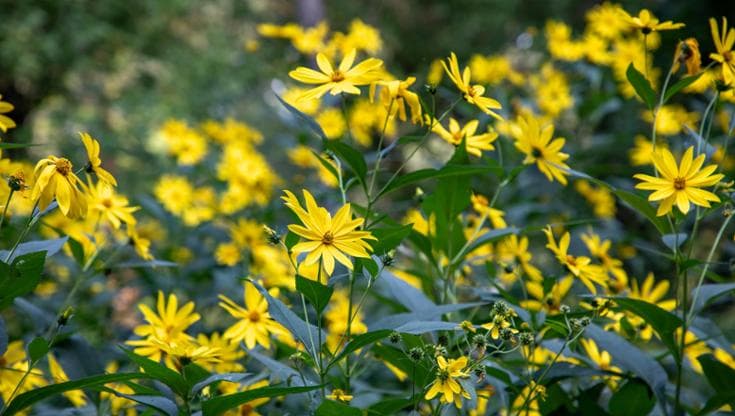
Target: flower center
[(728, 56), (254, 316), (680, 183), (328, 238), (571, 261), (536, 152), (63, 166), (471, 92), (246, 410), (337, 76), (107, 202), (443, 375), (3, 362)]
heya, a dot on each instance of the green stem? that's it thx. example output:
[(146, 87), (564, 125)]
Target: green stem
[(31, 221), (711, 254), (5, 208)]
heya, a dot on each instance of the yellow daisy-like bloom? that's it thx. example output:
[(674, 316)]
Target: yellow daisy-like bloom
[(579, 266), (76, 397), (111, 206), (343, 79), (687, 54), (724, 42), (13, 366), (474, 94), (95, 163), (680, 184), (255, 325), (179, 353), (340, 396), (5, 121), (397, 92), (474, 143), (646, 22), (329, 238), (537, 144), (498, 323), (446, 384), (141, 245), (167, 326), (54, 177)]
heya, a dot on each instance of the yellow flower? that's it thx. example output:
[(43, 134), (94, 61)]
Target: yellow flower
[(115, 208), (343, 79), (118, 405), (255, 324), (687, 54), (579, 266), (642, 150), (474, 94), (474, 143), (395, 95), (339, 395), (672, 119), (724, 42), (329, 238), (247, 408), (5, 121), (601, 358), (680, 184), (227, 254), (14, 365), (76, 397), (498, 323), (526, 402), (646, 22), (95, 163), (602, 200), (54, 177), (228, 353), (181, 352), (167, 326), (446, 384), (548, 302), (332, 123), (604, 20), (482, 206), (513, 250), (539, 148), (141, 245)]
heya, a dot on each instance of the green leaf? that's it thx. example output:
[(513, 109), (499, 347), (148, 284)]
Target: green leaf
[(391, 405), (158, 403), (332, 408), (309, 122), (663, 322), (447, 171), (717, 401), (37, 349), (389, 237), (165, 375), (20, 277), (631, 358), (30, 397), (291, 240), (487, 238), (3, 337), (674, 241), (307, 334), (358, 342), (719, 375), (220, 404), (642, 206), (5, 145), (642, 86), (634, 398), (681, 84), (354, 159), (369, 264), (50, 247), (317, 293), (712, 291), (193, 374), (215, 378)]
